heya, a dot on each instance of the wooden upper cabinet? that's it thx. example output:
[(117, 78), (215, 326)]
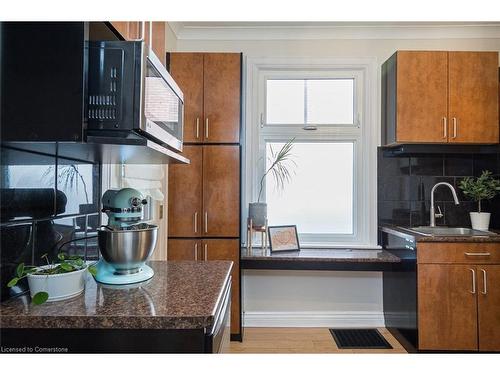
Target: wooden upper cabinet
[(221, 82), (421, 96), (211, 86), (153, 34), (221, 191), (157, 40), (187, 71), (185, 195), (440, 97), (473, 97), (447, 307), (489, 307)]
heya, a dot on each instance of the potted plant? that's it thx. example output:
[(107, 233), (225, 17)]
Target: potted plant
[(480, 188), (278, 166), (54, 281)]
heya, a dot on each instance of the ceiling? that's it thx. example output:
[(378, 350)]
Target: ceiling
[(333, 30)]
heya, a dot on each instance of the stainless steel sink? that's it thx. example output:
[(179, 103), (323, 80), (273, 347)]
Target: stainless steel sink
[(448, 231)]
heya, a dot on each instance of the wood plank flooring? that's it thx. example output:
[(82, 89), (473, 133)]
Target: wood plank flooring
[(300, 340)]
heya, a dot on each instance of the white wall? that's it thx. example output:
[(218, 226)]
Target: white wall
[(319, 298)]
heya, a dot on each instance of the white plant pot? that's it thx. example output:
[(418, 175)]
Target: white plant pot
[(480, 220), (59, 287)]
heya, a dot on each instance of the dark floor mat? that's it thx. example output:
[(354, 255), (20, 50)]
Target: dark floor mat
[(359, 339)]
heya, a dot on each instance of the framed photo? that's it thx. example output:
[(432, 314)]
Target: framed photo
[(283, 238)]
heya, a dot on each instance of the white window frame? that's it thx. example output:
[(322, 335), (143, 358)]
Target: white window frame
[(362, 134)]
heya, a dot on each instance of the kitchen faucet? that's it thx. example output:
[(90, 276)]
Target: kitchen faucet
[(433, 210)]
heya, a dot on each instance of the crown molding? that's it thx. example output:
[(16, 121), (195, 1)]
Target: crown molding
[(325, 31)]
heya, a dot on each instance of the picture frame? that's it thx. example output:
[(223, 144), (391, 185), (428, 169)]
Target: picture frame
[(283, 238)]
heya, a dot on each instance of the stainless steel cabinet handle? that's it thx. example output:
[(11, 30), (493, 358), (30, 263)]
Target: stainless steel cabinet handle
[(206, 128), (195, 220), (206, 221), (196, 251), (197, 127), (445, 127), (473, 291), (206, 251), (454, 127), (485, 281), (477, 254)]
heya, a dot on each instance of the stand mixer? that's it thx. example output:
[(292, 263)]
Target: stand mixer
[(125, 243)]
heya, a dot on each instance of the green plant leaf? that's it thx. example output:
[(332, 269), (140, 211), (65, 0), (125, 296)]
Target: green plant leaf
[(61, 256), (13, 282), (40, 298), (66, 266), (20, 269), (93, 270)]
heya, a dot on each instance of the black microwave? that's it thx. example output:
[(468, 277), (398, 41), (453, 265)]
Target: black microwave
[(129, 90)]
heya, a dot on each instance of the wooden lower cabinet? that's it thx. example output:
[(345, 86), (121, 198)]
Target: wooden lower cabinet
[(489, 307), (184, 249), (458, 296), (217, 249), (213, 249), (446, 307)]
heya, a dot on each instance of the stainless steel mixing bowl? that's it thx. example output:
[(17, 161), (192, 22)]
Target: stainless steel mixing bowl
[(127, 250)]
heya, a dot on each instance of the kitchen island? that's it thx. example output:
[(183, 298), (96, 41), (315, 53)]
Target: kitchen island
[(184, 308)]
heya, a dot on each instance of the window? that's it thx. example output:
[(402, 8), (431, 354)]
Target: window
[(309, 101), (325, 109), (319, 197)]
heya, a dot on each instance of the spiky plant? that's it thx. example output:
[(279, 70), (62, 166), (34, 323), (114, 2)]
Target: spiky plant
[(279, 163), (480, 188)]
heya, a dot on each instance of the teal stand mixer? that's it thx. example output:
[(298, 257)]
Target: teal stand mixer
[(126, 243)]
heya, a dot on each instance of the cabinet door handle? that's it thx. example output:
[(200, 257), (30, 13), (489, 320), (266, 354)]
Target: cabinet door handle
[(455, 131), (206, 251), (196, 251), (485, 282), (473, 291), (197, 127), (445, 127), (206, 221), (477, 254), (206, 128), (195, 222)]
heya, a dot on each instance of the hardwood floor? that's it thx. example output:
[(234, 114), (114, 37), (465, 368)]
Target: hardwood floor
[(300, 340)]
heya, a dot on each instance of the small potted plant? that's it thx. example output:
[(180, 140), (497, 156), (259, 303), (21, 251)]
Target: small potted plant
[(479, 189), (278, 166), (54, 281)]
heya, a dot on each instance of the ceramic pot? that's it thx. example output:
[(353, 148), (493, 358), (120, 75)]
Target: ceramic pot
[(480, 220), (257, 212), (60, 286)]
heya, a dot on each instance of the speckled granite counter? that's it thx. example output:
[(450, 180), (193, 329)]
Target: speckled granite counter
[(319, 259), (403, 232), (181, 295)]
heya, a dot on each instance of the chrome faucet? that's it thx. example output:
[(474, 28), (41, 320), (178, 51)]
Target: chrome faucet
[(433, 210)]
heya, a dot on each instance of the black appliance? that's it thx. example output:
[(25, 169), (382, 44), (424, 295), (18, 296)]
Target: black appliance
[(400, 288), (130, 90), (44, 96)]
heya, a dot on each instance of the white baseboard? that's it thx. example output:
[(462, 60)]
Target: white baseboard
[(344, 319)]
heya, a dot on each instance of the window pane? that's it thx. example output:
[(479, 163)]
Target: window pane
[(285, 101), (319, 198), (330, 101)]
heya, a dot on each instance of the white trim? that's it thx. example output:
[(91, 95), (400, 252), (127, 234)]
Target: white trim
[(367, 224), (344, 319), (333, 30)]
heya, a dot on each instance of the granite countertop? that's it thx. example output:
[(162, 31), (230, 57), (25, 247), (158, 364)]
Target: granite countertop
[(322, 255), (493, 237), (181, 295)]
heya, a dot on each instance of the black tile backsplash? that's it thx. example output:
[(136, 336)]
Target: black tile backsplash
[(45, 201), (405, 183)]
